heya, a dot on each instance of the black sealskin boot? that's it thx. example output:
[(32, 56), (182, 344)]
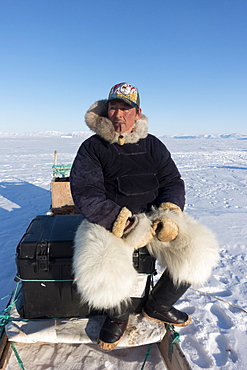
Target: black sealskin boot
[(112, 330), (160, 303)]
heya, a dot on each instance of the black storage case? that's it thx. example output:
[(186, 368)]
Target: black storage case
[(44, 263)]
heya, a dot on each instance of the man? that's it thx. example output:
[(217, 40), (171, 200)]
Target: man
[(125, 183)]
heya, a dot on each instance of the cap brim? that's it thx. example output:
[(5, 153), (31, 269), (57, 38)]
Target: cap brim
[(133, 105)]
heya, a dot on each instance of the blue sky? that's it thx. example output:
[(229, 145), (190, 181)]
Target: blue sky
[(187, 57)]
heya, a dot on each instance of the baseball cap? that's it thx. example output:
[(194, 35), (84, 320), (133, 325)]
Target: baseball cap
[(125, 92)]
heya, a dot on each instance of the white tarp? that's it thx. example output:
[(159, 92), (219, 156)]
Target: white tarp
[(139, 331), (64, 356), (70, 344)]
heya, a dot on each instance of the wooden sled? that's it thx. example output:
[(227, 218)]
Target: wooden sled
[(170, 352)]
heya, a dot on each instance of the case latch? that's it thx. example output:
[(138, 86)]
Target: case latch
[(42, 255), (135, 259)]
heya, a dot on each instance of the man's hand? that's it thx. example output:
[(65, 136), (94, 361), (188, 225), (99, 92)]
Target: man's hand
[(130, 224)]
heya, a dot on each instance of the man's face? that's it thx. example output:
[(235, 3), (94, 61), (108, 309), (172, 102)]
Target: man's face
[(122, 115)]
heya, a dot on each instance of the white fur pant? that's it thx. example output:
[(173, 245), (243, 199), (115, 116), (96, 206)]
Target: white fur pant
[(103, 268)]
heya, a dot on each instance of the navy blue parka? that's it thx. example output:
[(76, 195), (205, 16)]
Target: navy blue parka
[(106, 176)]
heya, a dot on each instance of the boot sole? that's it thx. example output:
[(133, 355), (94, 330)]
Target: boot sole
[(107, 346), (186, 323)]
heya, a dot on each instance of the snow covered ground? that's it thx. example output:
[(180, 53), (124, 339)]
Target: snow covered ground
[(215, 172)]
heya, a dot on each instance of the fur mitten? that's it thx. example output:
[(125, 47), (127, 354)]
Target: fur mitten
[(119, 224), (140, 232), (140, 235), (102, 267), (191, 256), (102, 263), (166, 229)]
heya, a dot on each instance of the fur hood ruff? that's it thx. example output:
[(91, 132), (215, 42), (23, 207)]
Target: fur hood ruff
[(97, 121)]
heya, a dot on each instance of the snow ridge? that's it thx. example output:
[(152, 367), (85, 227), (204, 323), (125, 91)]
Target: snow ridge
[(46, 134), (86, 134)]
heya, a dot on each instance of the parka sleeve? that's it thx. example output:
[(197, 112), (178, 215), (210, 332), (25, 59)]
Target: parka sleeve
[(88, 191), (171, 185)]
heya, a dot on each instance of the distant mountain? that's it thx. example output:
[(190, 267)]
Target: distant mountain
[(85, 134), (207, 136)]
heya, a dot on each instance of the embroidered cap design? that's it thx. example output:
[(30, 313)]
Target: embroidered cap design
[(125, 92)]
